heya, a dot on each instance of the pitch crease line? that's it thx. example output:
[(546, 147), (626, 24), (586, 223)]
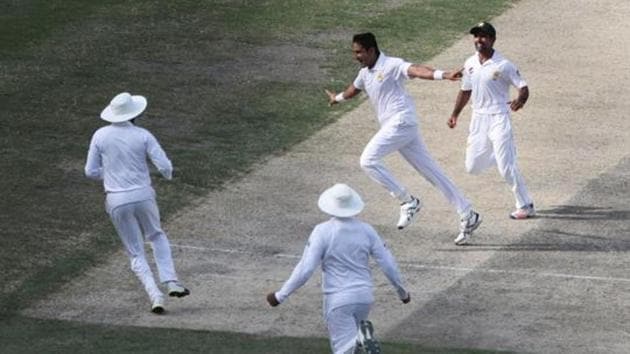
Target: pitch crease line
[(422, 266)]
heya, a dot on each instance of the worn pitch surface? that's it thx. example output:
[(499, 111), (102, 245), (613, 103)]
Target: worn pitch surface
[(557, 283)]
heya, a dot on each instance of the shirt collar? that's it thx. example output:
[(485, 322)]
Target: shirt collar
[(496, 56), (123, 124), (379, 62)]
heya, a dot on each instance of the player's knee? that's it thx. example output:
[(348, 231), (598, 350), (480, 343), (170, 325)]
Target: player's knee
[(138, 264), (156, 235), (508, 173), (368, 163)]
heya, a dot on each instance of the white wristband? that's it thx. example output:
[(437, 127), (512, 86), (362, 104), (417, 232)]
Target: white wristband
[(339, 97), (438, 75)]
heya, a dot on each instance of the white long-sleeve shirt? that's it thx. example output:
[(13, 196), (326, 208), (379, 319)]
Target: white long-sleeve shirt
[(343, 246), (118, 155)]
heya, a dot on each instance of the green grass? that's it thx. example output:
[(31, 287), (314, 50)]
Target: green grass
[(21, 335), (229, 83)]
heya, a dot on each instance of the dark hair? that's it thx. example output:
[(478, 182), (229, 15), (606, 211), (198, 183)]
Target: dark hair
[(366, 40)]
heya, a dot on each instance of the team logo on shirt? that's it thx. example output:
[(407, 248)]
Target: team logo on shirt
[(496, 75), (470, 70), (380, 77)]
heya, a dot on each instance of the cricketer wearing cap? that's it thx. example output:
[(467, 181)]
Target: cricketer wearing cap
[(487, 77)]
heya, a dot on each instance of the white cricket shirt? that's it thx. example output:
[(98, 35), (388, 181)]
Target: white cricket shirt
[(490, 83), (343, 247), (384, 84), (118, 155)]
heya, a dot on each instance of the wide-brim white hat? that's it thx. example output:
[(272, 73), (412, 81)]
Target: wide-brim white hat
[(124, 107), (341, 201)]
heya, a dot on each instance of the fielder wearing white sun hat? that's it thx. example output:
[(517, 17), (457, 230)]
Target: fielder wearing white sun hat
[(124, 107), (340, 201)]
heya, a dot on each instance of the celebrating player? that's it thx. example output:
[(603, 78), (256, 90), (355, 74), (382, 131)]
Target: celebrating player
[(487, 77), (343, 246), (118, 156), (382, 78)]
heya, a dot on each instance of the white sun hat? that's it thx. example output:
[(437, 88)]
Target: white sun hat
[(340, 201), (124, 107)]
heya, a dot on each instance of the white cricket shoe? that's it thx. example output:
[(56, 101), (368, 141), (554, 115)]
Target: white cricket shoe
[(467, 225), (158, 305), (177, 289), (462, 238), (407, 212), (470, 223), (366, 340), (525, 212)]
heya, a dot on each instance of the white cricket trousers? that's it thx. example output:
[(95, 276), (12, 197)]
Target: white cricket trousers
[(134, 223), (343, 326), (491, 142), (406, 140)]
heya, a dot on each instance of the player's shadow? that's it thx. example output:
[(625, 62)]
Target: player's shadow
[(561, 231), (552, 241), (576, 212)]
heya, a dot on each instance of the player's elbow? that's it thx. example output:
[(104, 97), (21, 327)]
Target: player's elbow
[(92, 174), (368, 163)]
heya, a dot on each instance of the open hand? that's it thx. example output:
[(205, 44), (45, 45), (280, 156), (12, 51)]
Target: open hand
[(331, 97)]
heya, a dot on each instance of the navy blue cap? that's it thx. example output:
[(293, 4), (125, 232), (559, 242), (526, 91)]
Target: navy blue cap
[(484, 28)]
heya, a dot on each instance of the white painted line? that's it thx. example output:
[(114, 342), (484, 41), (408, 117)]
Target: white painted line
[(233, 251), (515, 272), (415, 265)]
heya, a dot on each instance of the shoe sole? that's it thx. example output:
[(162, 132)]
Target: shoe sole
[(463, 242), (157, 310), (179, 293), (525, 218)]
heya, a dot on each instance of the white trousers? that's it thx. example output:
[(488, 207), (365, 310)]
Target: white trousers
[(134, 223), (343, 326), (490, 143), (406, 140)]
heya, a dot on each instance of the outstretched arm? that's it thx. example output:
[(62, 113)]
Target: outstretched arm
[(426, 72), (348, 93), (460, 103), (311, 258)]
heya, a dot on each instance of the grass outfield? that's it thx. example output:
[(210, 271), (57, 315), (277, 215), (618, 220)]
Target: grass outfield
[(229, 84)]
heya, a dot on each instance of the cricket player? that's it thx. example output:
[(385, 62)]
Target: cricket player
[(343, 246), (487, 77), (118, 156), (383, 78)]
